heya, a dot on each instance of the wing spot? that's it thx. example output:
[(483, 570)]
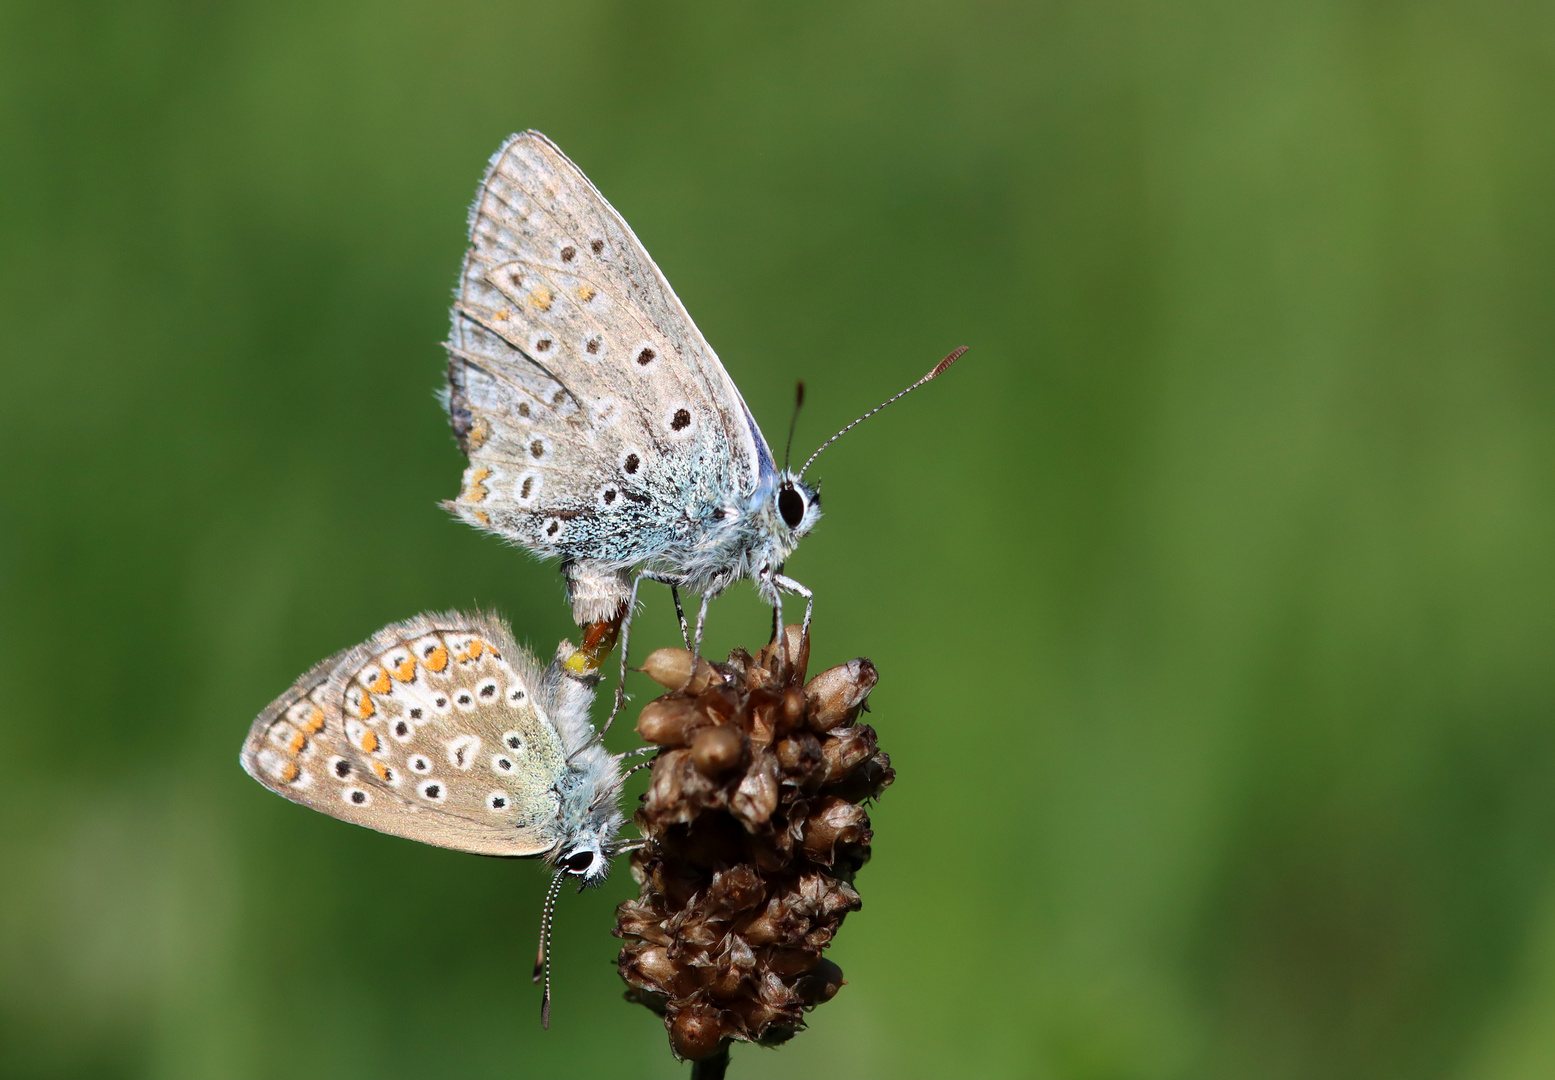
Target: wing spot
[(585, 293), (523, 409), (610, 496), (501, 764), (596, 246), (415, 714), (541, 298), (513, 740), (401, 730), (487, 689), (431, 790), (569, 253), (537, 449), (645, 357), (543, 345), (632, 464), (356, 796), (592, 346), (341, 768), (681, 420), (497, 800), (421, 763)]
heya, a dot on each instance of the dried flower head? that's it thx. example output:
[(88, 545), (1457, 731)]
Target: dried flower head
[(753, 834)]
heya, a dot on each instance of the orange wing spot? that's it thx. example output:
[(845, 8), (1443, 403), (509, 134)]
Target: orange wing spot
[(380, 685), (289, 772), (369, 741), (381, 769), (299, 740), (482, 517), (438, 659), (479, 432), (475, 485), (461, 656), (477, 646), (366, 708), (541, 298), (585, 293), (406, 671), (315, 721), (504, 314)]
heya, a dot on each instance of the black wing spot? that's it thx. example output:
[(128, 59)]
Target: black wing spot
[(592, 346), (569, 253), (523, 408), (543, 345), (610, 496), (681, 420), (596, 246), (537, 449), (646, 357), (342, 769), (552, 528), (359, 797), (632, 463)]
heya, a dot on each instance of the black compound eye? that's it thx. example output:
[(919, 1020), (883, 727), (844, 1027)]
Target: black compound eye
[(791, 507), (578, 862)]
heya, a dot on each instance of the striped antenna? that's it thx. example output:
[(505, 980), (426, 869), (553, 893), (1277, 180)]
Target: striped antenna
[(938, 368), (543, 954)]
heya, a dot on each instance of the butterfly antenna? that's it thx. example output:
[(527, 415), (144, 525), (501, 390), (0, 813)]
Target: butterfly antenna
[(793, 421), (543, 954), (938, 368)]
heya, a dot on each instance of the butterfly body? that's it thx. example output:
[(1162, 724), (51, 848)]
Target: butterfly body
[(601, 428), (442, 729)]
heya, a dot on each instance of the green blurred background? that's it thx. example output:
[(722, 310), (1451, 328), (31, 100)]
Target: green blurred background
[(1212, 591)]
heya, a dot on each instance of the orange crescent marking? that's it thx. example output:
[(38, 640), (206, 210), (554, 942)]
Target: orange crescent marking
[(406, 671), (369, 741), (299, 740), (381, 769), (367, 708), (477, 646), (437, 660), (380, 685), (315, 721), (289, 772)]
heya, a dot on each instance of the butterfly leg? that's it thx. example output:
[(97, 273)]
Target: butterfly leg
[(626, 635), (788, 584), (696, 648), (680, 613)]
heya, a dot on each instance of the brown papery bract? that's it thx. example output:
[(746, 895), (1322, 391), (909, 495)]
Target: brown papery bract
[(754, 834)]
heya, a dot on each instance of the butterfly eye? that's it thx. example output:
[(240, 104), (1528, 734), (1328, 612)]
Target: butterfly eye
[(791, 506), (579, 862)]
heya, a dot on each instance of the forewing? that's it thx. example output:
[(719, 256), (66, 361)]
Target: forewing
[(593, 411), (431, 730)]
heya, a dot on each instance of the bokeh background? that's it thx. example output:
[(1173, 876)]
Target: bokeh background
[(1212, 590)]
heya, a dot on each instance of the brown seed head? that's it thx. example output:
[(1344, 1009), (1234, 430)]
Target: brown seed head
[(754, 834)]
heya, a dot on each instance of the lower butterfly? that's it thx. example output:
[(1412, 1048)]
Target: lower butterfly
[(442, 729)]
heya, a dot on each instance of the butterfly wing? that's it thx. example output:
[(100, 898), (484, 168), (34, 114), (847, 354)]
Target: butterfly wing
[(598, 421), (439, 729)]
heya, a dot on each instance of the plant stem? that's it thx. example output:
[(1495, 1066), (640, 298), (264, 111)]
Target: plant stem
[(712, 1068)]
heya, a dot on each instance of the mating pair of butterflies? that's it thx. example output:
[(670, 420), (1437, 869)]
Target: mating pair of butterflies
[(602, 430)]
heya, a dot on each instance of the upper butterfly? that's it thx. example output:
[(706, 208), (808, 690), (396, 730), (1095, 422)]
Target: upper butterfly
[(599, 424)]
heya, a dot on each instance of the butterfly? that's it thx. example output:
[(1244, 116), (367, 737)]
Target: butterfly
[(442, 729), (600, 427)]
